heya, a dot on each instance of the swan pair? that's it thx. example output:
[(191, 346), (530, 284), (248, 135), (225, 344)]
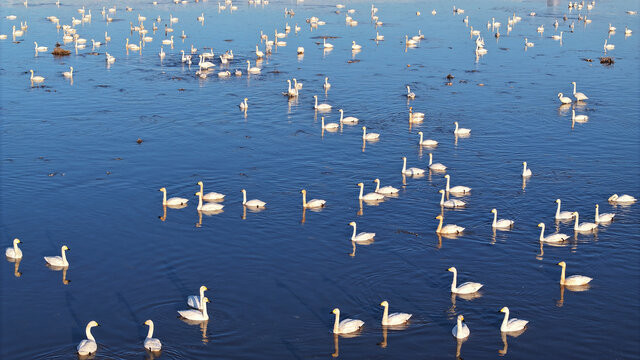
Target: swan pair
[(208, 207), (415, 117), (197, 315)]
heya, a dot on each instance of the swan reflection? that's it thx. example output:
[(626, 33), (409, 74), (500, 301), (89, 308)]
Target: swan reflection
[(572, 288), (203, 327), (503, 335)]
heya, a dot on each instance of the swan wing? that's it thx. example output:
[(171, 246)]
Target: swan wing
[(556, 238), (516, 324), (192, 314), (255, 203), (194, 301), (373, 196), (564, 215), (577, 280), (54, 260), (350, 325), (437, 167), (152, 344), (387, 190), (468, 288), (504, 223), (316, 203), (212, 207), (177, 201), (364, 236), (607, 217), (398, 318), (87, 347), (464, 331), (451, 229)]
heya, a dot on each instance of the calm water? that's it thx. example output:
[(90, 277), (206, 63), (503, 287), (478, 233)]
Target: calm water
[(73, 174)]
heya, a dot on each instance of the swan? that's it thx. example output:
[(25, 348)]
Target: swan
[(585, 226), (14, 252), (578, 95), (627, 31), (502, 223), (480, 50), (133, 47), (355, 46), (608, 46), (243, 105), (88, 345), (465, 288), (291, 92), (395, 318), (326, 45), (578, 118), (347, 120), (460, 331), (252, 70), (409, 42), (369, 136), (40, 48), (202, 64), (174, 201), (540, 28), (68, 74), (363, 236), (238, 73), (58, 260), (557, 37), (562, 215), (224, 74), (410, 171), (185, 58), (195, 301), (37, 78), (300, 50), (603, 218), (386, 190), (435, 166), (168, 41), (452, 203), (109, 58), (259, 53), (208, 206), (312, 204), (419, 36), (527, 43), (17, 33), (512, 324), (95, 44), (373, 196), (612, 28), (329, 126), (196, 315), (345, 326), (151, 343), (428, 142), (624, 199), (162, 54), (415, 117), (564, 99), (474, 32), (525, 172), (461, 131), (200, 18), (326, 85), (573, 280), (554, 238), (456, 189), (494, 23), (379, 37), (211, 196), (410, 95), (448, 229), (255, 203)]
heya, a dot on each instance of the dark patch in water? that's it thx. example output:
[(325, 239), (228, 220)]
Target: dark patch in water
[(243, 174), (353, 61), (228, 40), (103, 86), (400, 231), (300, 132)]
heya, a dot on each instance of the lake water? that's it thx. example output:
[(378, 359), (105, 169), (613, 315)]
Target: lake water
[(72, 173)]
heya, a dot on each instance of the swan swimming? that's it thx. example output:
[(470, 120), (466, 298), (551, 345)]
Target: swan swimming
[(428, 142), (321, 106), (564, 99), (363, 236), (345, 326), (585, 226), (461, 330), (448, 229), (603, 218), (456, 189), (553, 238), (255, 203), (151, 343), (394, 318), (624, 199), (502, 223), (562, 215), (59, 261), (465, 288), (329, 126), (210, 196), (413, 171), (452, 203), (196, 315), (207, 207), (386, 190), (174, 201), (195, 301), (312, 204), (578, 95), (461, 131), (88, 345), (512, 324), (369, 136), (435, 166), (525, 172), (349, 119), (14, 252), (573, 280)]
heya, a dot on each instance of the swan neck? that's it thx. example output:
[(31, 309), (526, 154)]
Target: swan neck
[(15, 245), (574, 88), (438, 231), (542, 232), (421, 137), (404, 165), (150, 333), (364, 133), (244, 198), (64, 257), (378, 188), (447, 188), (361, 191), (597, 214), (442, 199), (430, 159), (336, 323), (505, 321), (495, 218), (558, 210), (385, 315), (353, 237), (575, 225), (562, 276), (200, 208), (164, 198), (304, 195), (88, 329), (459, 329), (454, 282), (204, 310)]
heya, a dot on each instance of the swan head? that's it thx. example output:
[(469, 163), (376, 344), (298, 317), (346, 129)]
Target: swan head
[(404, 158), (460, 318), (341, 111), (245, 99), (200, 183), (353, 223), (206, 299), (447, 176), (384, 303), (203, 288), (455, 123), (441, 191), (16, 241), (597, 206), (164, 190), (439, 217), (494, 210), (560, 95), (573, 82), (452, 269), (303, 191), (504, 309), (410, 108), (378, 181), (419, 132), (574, 213), (361, 184), (558, 201), (315, 96), (243, 191), (198, 193), (336, 311), (92, 323), (149, 322), (66, 248), (562, 263), (611, 198), (364, 128)]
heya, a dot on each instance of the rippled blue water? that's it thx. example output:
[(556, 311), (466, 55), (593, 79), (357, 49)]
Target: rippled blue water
[(72, 173)]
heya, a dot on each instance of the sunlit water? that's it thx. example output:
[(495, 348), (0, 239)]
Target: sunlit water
[(72, 173)]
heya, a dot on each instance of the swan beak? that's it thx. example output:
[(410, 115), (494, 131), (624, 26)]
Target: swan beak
[(461, 318), (449, 269)]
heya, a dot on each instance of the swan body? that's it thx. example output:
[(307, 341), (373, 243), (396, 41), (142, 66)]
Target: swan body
[(415, 117), (348, 120), (448, 229), (110, 59), (151, 343), (369, 136), (452, 203), (196, 301), (36, 79), (435, 166), (373, 196), (174, 201), (40, 48), (225, 73), (326, 84), (88, 345), (252, 70), (562, 215), (585, 226), (14, 252), (300, 50), (540, 28), (291, 91), (394, 318), (578, 95), (259, 53), (311, 204), (557, 37), (386, 190), (573, 280), (410, 171), (255, 203), (355, 46), (564, 99), (512, 324), (461, 131), (329, 126), (363, 236), (428, 142), (202, 63), (502, 223), (456, 189), (243, 105), (168, 41), (326, 45), (461, 330), (603, 218), (578, 118), (627, 31), (196, 315), (60, 261), (211, 196), (208, 206), (379, 37), (554, 238), (608, 46), (624, 199), (345, 326), (528, 43), (320, 106), (465, 288), (525, 171)]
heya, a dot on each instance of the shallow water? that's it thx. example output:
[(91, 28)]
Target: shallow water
[(72, 173)]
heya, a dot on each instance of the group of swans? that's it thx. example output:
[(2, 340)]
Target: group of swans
[(577, 95), (347, 326)]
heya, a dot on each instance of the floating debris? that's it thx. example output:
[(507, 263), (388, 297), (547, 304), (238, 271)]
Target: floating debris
[(58, 51), (139, 141), (607, 60)]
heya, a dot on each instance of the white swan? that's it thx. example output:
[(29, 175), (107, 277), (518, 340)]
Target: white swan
[(252, 70), (363, 236), (151, 343), (512, 324), (410, 42), (435, 166), (88, 345), (14, 252), (202, 63), (456, 189), (428, 142), (461, 131), (465, 288), (326, 85), (553, 238), (410, 94), (348, 120), (557, 37), (415, 116), (326, 45), (373, 196), (312, 204), (627, 31), (207, 207), (395, 318), (211, 196), (40, 48), (174, 201), (578, 95), (243, 105), (564, 99), (300, 50), (386, 190), (624, 199), (167, 41), (320, 106), (196, 315), (291, 91), (540, 28), (452, 203), (585, 226), (68, 74), (562, 215), (573, 280), (413, 171), (255, 203), (578, 118), (162, 54), (37, 78), (528, 43), (608, 46), (329, 126), (345, 326), (474, 32), (379, 37), (461, 330), (502, 223), (355, 46), (448, 229), (195, 301), (369, 136), (525, 171), (603, 218), (60, 261)]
